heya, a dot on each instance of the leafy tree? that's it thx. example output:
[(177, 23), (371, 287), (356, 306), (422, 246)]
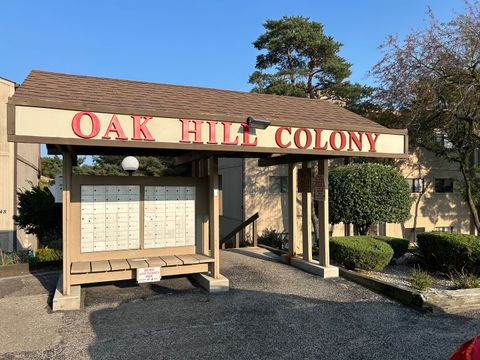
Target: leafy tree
[(430, 81), (51, 166), (38, 214), (112, 165), (367, 194), (300, 60)]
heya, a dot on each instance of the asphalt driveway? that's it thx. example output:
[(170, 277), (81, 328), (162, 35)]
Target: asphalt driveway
[(273, 311)]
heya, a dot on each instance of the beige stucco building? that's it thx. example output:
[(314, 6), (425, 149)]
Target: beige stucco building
[(23, 162), (435, 185)]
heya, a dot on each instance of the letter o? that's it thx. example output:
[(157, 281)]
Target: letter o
[(296, 138), (93, 120), (343, 140)]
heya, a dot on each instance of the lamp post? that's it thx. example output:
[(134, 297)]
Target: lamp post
[(130, 164)]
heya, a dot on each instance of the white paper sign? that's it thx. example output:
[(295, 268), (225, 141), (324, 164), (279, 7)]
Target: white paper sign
[(150, 274)]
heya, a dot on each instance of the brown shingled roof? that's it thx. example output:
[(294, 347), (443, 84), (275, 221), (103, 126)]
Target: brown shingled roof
[(97, 94)]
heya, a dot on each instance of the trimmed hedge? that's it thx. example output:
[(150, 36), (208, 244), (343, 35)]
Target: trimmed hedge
[(450, 252), (361, 252), (399, 245)]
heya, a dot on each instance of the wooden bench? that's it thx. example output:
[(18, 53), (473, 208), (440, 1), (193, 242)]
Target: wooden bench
[(84, 272)]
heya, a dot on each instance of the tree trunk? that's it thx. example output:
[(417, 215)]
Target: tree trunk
[(470, 199), (363, 229), (415, 214)]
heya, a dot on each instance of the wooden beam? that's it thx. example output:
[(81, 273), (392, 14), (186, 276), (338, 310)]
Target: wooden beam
[(192, 156), (292, 209), (306, 213), (323, 224), (288, 159), (214, 218), (67, 185)]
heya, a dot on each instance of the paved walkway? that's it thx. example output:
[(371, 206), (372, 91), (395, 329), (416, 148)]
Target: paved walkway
[(273, 311)]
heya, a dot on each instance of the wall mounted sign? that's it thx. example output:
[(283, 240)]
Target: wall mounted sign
[(47, 125), (319, 186), (150, 274)]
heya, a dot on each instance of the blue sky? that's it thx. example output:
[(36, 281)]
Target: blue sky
[(202, 43)]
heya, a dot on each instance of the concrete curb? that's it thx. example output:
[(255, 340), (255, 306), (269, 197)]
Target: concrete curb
[(411, 298)]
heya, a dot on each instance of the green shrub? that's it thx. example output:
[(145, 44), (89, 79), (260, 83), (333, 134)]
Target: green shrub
[(465, 281), (14, 257), (273, 238), (399, 246), (366, 194), (361, 252), (421, 280), (448, 252), (47, 254), (38, 214)]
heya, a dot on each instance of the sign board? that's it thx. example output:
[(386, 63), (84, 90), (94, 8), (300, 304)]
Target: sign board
[(304, 182), (150, 274), (319, 187), (59, 126)]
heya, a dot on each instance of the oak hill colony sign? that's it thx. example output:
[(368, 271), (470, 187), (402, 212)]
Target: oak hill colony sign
[(57, 126)]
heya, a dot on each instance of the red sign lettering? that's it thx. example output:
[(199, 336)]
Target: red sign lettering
[(95, 124), (140, 128), (115, 127), (278, 137)]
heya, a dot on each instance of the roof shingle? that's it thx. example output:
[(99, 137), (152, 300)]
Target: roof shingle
[(206, 103)]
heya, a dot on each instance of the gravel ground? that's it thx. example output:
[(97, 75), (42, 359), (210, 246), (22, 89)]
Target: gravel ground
[(273, 311), (401, 274)]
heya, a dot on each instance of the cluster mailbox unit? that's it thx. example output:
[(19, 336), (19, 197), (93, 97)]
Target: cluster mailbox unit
[(135, 227)]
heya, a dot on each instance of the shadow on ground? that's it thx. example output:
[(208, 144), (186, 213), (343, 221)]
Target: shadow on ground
[(273, 311)]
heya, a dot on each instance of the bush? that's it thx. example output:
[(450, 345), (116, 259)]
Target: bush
[(465, 281), (47, 254), (421, 280), (448, 252), (273, 238), (399, 246), (366, 194), (361, 252), (38, 214), (12, 257)]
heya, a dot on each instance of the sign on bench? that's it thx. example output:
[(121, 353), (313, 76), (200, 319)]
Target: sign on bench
[(150, 274)]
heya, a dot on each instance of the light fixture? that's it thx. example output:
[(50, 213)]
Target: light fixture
[(130, 164), (255, 123)]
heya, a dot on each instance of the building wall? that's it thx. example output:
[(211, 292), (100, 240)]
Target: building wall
[(7, 156), (20, 167), (431, 209), (231, 172), (27, 171)]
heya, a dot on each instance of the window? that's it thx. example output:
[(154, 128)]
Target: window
[(442, 139), (447, 229), (278, 184), (416, 185), (444, 185)]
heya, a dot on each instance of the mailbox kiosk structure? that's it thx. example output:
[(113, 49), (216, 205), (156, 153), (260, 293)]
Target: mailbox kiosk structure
[(113, 226)]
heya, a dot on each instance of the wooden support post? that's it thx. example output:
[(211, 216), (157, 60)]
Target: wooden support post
[(214, 220), (306, 213), (254, 233), (202, 171), (237, 240), (292, 209), (323, 224), (67, 184)]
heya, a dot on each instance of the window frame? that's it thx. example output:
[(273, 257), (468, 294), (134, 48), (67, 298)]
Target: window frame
[(412, 184), (442, 189)]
